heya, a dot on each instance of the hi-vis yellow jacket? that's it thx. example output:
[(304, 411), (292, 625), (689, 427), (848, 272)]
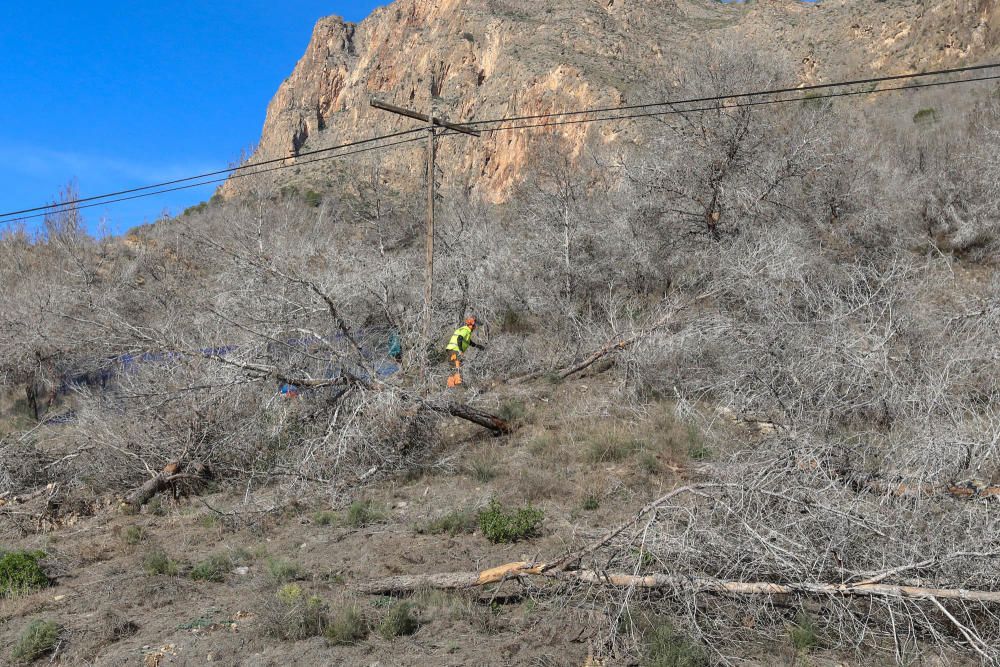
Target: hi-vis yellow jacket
[(461, 339)]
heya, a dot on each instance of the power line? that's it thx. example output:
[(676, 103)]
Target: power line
[(716, 98), (69, 206), (205, 175), (802, 98), (64, 206)]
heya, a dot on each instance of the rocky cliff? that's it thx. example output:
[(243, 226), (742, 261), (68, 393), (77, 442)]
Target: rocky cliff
[(496, 58)]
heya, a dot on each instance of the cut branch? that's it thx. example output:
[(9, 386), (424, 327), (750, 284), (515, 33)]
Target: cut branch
[(523, 569)]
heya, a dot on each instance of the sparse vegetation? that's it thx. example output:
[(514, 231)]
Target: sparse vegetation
[(282, 570), (399, 620), (925, 116), (361, 513), (784, 314), (802, 633), (666, 647), (483, 468), (610, 448), (453, 523), (349, 626), (133, 535), (294, 614), (20, 573), (156, 562), (325, 518), (39, 638), (513, 411), (499, 524), (312, 198), (214, 568)]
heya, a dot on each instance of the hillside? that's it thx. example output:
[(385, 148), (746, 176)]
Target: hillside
[(500, 58), (735, 402)]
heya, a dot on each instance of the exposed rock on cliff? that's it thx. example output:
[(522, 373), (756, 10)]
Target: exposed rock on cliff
[(496, 58)]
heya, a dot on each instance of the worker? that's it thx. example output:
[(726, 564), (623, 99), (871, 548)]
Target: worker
[(461, 341)]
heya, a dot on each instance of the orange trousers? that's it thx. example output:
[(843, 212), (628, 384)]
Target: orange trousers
[(455, 378)]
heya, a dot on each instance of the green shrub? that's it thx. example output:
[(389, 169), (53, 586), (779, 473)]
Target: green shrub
[(500, 525), (590, 503), (803, 633), (925, 116), (283, 570), (665, 647), (649, 464), (348, 627), (399, 621), (609, 449), (214, 568), (157, 562), (39, 638), (483, 468), (325, 518), (20, 573), (452, 523), (513, 411), (292, 614), (363, 512), (133, 535), (313, 198), (516, 322)]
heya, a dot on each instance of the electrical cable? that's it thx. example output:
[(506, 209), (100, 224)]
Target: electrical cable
[(69, 206), (207, 174), (73, 204), (715, 98), (804, 98)]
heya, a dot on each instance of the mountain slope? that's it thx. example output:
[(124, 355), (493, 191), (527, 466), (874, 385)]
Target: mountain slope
[(496, 58)]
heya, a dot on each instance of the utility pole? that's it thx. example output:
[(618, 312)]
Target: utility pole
[(433, 123)]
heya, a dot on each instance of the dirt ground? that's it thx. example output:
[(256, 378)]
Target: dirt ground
[(587, 468)]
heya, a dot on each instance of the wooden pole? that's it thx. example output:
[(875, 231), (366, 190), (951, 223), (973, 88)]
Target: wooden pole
[(432, 124), (429, 258)]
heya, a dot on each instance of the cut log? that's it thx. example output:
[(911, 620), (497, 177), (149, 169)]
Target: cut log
[(167, 479), (523, 569), (484, 419)]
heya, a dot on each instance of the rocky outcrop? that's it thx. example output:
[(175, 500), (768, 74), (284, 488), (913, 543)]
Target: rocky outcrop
[(495, 58)]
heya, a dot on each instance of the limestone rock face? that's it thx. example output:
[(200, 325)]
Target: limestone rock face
[(499, 58)]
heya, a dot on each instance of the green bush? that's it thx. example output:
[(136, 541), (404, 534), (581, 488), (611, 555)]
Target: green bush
[(649, 464), (20, 573), (803, 633), (349, 627), (133, 535), (399, 621), (39, 638), (283, 570), (513, 411), (590, 503), (925, 116), (665, 647), (157, 562), (313, 198), (452, 523), (363, 512), (325, 518), (294, 615), (214, 568), (609, 449), (500, 525), (483, 468)]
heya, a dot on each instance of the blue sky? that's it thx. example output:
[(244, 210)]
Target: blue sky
[(120, 94)]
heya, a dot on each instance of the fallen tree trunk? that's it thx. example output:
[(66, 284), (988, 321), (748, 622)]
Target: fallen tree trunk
[(484, 419), (614, 344), (523, 569), (167, 479)]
